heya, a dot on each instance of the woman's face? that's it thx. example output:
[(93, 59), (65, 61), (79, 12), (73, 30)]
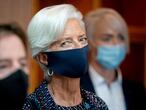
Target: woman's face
[(73, 37), (12, 55)]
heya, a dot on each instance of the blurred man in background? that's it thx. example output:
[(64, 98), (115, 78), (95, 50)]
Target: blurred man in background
[(13, 67), (109, 45)]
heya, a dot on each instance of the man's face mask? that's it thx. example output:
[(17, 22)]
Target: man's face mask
[(111, 56), (70, 63), (13, 90)]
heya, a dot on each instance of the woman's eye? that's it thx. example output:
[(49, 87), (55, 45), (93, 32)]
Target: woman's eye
[(66, 43), (83, 39)]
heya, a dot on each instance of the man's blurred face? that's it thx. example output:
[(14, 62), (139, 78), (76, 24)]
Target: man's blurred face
[(12, 55), (109, 32)]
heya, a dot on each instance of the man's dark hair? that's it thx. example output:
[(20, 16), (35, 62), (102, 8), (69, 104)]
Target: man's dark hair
[(14, 28)]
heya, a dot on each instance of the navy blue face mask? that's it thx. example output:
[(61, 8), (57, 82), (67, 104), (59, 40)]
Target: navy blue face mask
[(70, 63)]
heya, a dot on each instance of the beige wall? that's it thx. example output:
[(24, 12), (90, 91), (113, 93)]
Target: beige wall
[(16, 10)]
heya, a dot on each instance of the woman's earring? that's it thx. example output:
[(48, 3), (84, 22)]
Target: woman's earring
[(50, 73)]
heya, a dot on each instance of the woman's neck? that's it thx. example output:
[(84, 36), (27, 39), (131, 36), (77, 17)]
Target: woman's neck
[(108, 75), (65, 91)]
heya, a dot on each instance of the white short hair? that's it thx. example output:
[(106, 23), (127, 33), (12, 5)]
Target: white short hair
[(94, 17), (48, 24)]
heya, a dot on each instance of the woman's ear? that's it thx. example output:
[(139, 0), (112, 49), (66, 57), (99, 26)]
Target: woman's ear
[(42, 58)]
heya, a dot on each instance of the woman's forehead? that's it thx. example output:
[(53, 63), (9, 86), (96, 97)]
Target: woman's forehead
[(72, 28)]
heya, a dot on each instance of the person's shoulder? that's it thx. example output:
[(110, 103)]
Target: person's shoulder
[(133, 85), (39, 91), (134, 92), (30, 102), (33, 100), (95, 100)]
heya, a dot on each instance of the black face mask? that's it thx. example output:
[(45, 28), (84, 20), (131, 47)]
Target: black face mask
[(13, 90), (70, 63)]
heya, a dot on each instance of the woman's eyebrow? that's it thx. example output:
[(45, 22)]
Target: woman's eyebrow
[(59, 41), (82, 35), (66, 38)]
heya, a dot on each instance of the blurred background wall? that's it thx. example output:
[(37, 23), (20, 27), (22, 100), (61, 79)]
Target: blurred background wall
[(133, 11), (15, 11)]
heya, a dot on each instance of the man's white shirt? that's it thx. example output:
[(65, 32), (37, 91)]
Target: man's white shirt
[(112, 94)]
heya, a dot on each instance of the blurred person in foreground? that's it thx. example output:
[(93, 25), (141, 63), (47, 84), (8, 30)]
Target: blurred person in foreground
[(13, 67), (59, 44), (108, 46)]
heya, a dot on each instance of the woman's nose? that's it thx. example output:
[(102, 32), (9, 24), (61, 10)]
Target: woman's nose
[(78, 44)]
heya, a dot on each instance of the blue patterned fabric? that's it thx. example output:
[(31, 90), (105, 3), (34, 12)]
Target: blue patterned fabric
[(42, 100)]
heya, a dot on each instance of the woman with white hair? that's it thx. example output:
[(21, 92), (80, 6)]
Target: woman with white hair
[(59, 44)]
